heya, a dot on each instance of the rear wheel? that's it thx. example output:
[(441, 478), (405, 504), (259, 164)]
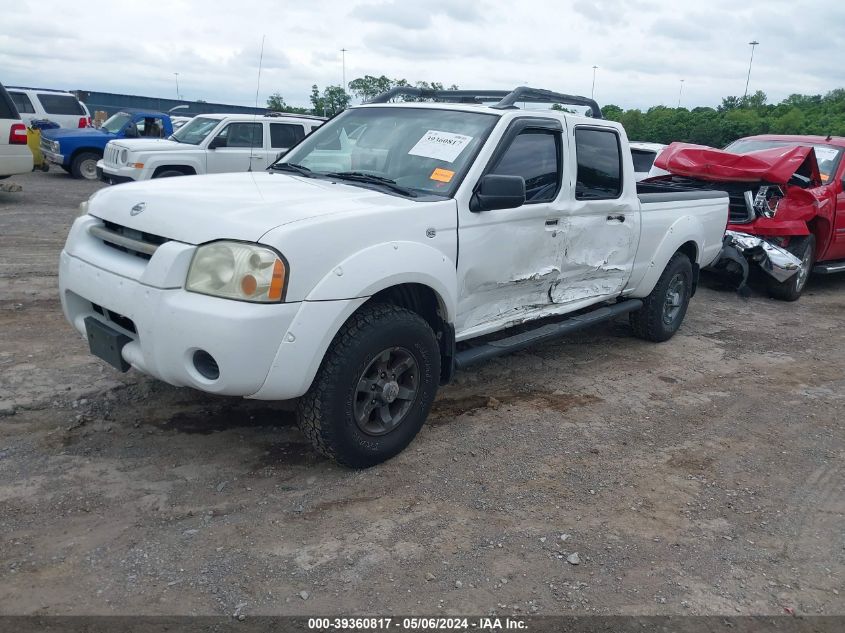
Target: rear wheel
[(374, 388), (84, 165), (664, 308), (789, 290)]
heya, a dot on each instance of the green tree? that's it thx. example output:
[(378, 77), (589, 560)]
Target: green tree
[(369, 86), (331, 101)]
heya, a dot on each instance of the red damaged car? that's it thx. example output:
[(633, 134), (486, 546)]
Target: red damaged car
[(787, 203)]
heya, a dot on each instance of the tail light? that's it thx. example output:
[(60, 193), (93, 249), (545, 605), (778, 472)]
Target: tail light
[(17, 134), (84, 121)]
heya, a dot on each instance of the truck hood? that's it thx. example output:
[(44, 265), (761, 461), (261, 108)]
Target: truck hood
[(61, 133), (239, 206), (773, 166), (152, 145)]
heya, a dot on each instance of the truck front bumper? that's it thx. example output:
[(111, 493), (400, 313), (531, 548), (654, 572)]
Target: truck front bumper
[(739, 249), (53, 157), (264, 351)]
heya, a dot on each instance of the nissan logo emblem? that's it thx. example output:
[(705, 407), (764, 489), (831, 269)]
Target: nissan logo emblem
[(138, 208)]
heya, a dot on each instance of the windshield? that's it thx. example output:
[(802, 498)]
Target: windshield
[(195, 131), (115, 122), (426, 150), (826, 155)]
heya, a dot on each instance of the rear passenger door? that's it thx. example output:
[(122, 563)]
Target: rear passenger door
[(283, 136), (602, 228)]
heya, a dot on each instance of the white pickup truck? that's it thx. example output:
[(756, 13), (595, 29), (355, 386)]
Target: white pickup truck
[(357, 276), (206, 144)]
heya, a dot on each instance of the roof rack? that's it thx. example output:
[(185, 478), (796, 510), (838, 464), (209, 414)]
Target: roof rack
[(41, 89), (504, 99), (294, 114)]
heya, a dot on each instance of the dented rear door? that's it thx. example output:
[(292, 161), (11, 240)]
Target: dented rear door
[(601, 227)]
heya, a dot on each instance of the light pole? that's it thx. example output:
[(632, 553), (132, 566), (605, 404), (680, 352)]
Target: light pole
[(747, 79), (343, 64), (177, 85), (680, 92), (593, 91)]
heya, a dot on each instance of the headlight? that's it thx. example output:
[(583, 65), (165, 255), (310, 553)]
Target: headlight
[(83, 208), (234, 270), (124, 154)]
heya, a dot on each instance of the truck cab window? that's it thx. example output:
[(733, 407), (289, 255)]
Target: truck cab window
[(599, 164), (534, 155)]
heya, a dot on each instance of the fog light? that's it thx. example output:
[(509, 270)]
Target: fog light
[(205, 364)]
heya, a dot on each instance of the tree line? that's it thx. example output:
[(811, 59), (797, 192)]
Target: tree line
[(735, 117)]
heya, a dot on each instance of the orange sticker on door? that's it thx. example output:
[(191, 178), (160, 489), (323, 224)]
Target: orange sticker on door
[(442, 175)]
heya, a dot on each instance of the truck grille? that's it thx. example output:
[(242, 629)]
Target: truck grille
[(128, 240), (110, 155), (741, 207)]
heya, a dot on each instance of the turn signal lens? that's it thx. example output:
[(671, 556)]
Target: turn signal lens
[(278, 280)]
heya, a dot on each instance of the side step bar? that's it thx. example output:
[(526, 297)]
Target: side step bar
[(827, 269), (544, 333)]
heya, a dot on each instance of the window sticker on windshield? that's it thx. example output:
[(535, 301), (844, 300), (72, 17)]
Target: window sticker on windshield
[(440, 145), (825, 153), (442, 175)]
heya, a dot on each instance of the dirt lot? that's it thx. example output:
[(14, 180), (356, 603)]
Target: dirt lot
[(702, 475)]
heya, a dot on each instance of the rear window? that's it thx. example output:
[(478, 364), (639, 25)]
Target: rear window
[(7, 107), (60, 104), (283, 135), (643, 159), (22, 103)]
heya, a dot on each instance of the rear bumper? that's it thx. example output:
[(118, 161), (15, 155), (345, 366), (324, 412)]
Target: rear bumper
[(17, 163)]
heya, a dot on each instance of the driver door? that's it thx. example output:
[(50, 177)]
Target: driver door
[(237, 147), (509, 258)]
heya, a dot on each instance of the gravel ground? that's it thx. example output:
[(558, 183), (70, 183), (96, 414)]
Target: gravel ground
[(601, 474)]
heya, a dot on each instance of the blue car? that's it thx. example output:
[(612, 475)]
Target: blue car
[(78, 150)]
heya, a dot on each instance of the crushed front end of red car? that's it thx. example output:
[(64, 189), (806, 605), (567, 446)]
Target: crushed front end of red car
[(773, 196)]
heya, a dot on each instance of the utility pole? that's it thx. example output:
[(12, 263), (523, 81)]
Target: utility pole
[(177, 86), (751, 61), (680, 92), (593, 91), (343, 62)]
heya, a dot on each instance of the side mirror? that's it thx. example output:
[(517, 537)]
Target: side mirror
[(216, 142), (498, 192)]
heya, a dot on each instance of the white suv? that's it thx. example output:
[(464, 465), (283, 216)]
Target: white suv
[(15, 157), (58, 106), (208, 144)]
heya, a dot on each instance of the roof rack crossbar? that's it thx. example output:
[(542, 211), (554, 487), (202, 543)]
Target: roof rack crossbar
[(503, 99)]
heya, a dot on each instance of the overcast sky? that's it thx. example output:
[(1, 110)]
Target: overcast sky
[(643, 48)]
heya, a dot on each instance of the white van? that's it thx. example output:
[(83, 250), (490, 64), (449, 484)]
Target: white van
[(58, 106)]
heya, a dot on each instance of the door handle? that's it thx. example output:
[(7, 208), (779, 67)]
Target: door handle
[(616, 218), (257, 157), (552, 222)]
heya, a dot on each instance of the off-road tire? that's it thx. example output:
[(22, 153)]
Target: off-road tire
[(325, 413), (80, 166), (648, 322), (791, 289), (169, 173)]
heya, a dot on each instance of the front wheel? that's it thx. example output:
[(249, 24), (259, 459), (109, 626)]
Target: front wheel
[(789, 290), (664, 308), (374, 388), (84, 165), (169, 173)]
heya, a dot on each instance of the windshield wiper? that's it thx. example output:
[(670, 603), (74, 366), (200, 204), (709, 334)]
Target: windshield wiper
[(358, 176), (302, 170)]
